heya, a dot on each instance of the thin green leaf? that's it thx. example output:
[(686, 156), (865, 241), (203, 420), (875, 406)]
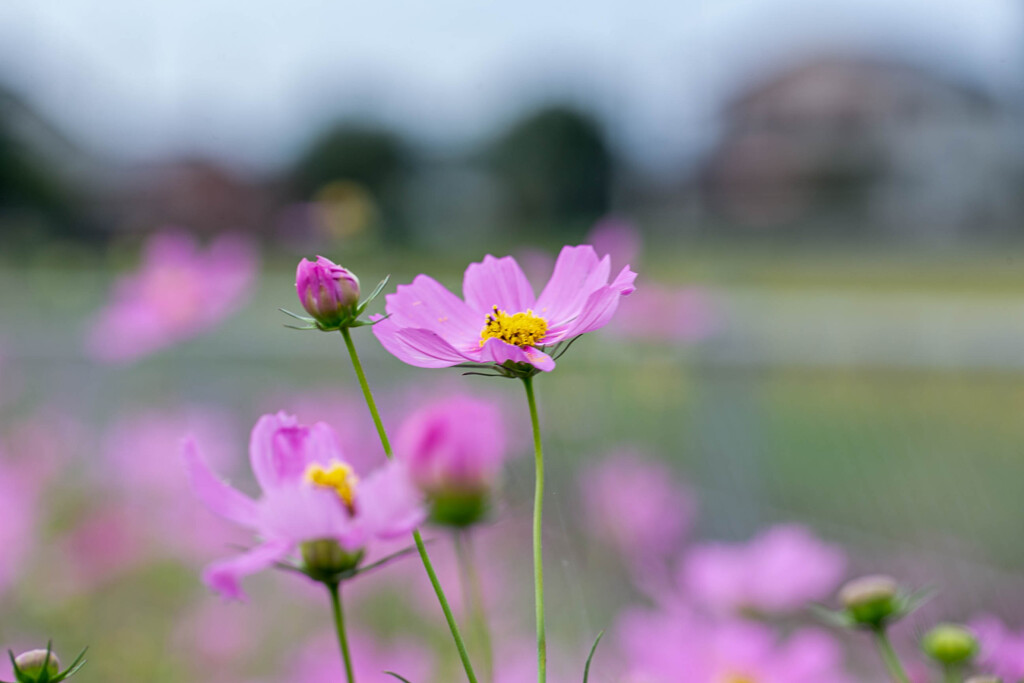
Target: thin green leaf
[(401, 678), (375, 293), (305, 327), (593, 649), (568, 345), (76, 665)]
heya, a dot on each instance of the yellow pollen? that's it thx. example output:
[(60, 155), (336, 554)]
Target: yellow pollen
[(337, 476), (520, 329)]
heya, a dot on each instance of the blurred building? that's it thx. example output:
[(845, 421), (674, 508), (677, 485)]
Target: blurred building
[(868, 147)]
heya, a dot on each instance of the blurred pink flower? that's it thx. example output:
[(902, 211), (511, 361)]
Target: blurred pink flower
[(454, 445), (667, 314), (670, 647), (217, 633), (501, 319), (309, 494), (778, 571), (321, 661), (178, 292), (138, 451), (19, 511), (618, 238), (634, 505), (1002, 649), (104, 543)]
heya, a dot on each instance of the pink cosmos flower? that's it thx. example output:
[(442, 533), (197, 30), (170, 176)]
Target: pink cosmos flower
[(635, 505), (309, 494), (454, 445), (1002, 649), (178, 292), (669, 647), (779, 571), (501, 320)]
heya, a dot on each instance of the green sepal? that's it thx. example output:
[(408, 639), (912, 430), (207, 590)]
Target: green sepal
[(831, 617), (373, 295), (593, 649)]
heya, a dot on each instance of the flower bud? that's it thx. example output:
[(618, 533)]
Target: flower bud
[(327, 291), (324, 559), (33, 663), (454, 449), (950, 644), (870, 600)]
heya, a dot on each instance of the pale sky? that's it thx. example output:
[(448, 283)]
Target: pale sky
[(249, 81)]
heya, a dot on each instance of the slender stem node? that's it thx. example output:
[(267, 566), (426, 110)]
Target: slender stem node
[(339, 625), (538, 512), (889, 656), (453, 626)]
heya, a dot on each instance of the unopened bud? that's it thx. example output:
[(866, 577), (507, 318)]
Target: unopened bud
[(33, 663), (325, 559), (457, 509), (327, 291), (950, 644), (870, 600)]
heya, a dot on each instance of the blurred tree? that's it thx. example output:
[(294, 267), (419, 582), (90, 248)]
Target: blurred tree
[(558, 168), (34, 195), (360, 155)]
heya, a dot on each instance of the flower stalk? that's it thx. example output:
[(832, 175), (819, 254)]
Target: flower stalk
[(473, 598), (334, 588), (889, 656), (442, 599), (538, 513)]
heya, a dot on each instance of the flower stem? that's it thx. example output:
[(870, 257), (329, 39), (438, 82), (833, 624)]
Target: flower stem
[(889, 656), (339, 625), (367, 394), (473, 598), (538, 511), (460, 645)]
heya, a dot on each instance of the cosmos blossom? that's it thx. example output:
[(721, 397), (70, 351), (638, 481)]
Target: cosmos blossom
[(310, 494), (778, 571), (178, 292), (673, 646), (1002, 649), (501, 320)]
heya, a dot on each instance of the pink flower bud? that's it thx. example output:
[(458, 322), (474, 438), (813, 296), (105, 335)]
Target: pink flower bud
[(327, 291)]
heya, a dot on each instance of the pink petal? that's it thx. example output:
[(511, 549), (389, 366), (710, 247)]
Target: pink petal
[(426, 304), (497, 282), (419, 347), (281, 449), (624, 281), (388, 503), (500, 351), (226, 576), (214, 493), (578, 272)]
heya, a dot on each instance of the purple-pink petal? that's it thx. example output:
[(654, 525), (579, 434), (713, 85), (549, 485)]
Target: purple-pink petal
[(497, 282), (578, 272), (218, 496), (225, 576), (500, 351), (427, 304)]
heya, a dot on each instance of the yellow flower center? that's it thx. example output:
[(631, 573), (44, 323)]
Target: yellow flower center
[(519, 329), (337, 476)]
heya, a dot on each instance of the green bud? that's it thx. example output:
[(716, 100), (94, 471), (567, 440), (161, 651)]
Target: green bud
[(871, 600), (459, 510), (33, 663), (325, 559), (950, 644)]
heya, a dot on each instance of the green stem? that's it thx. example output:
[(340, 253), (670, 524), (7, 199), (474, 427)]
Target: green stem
[(951, 674), (538, 511), (889, 656), (473, 598), (460, 645), (339, 625), (367, 394)]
